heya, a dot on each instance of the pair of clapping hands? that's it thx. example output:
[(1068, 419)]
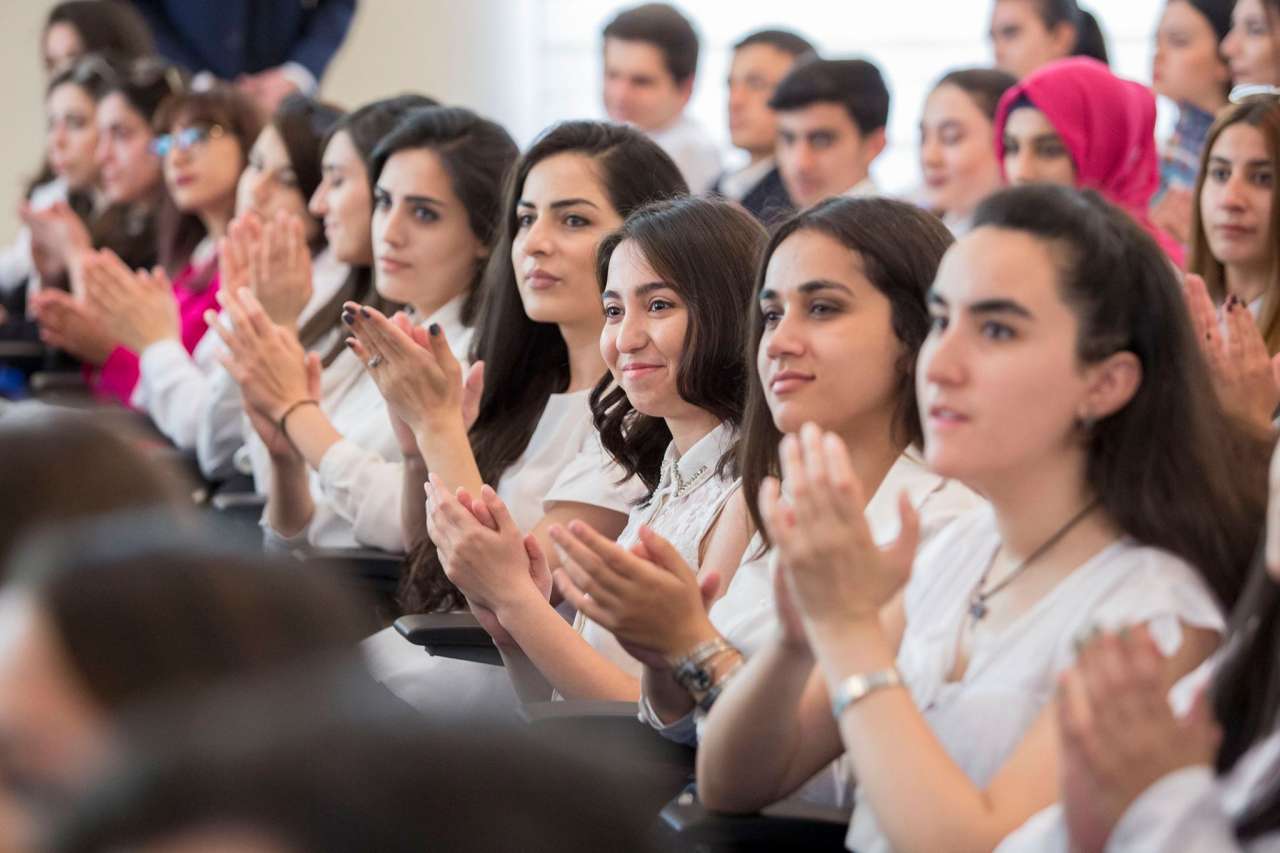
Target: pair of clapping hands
[(1119, 735), (1246, 377)]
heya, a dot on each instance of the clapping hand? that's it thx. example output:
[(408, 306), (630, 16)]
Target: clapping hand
[(836, 572), (646, 595), (1246, 378), (69, 324), (280, 269), (265, 359), (416, 372), (1118, 734), (137, 308)]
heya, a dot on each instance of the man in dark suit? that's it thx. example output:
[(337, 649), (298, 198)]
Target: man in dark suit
[(270, 48), (760, 61)]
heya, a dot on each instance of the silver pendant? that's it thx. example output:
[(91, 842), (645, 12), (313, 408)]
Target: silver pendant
[(977, 609)]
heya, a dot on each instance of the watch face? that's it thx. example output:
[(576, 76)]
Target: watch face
[(701, 680)]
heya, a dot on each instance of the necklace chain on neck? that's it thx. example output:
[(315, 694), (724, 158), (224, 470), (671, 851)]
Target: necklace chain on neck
[(978, 600)]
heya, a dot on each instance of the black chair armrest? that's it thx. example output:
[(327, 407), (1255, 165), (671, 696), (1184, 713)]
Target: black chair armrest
[(616, 724), (450, 635), (788, 825)]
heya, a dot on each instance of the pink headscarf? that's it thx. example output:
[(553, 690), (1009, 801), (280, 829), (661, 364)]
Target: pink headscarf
[(1109, 127)]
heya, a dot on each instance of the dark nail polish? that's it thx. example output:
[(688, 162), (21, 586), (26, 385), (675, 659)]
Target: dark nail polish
[(434, 329), (348, 317), (364, 312)]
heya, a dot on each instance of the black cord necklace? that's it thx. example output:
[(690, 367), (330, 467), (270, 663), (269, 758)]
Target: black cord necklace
[(978, 600)]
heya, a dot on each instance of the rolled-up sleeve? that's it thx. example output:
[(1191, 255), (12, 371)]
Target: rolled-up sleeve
[(364, 489)]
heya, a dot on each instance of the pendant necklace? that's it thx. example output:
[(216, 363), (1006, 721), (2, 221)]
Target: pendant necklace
[(978, 600)]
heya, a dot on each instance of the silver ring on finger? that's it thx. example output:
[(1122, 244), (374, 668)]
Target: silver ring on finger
[(374, 362)]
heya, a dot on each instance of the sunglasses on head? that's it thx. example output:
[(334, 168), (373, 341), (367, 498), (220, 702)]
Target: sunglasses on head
[(185, 138)]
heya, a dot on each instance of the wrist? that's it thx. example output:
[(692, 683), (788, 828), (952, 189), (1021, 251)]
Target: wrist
[(685, 638)]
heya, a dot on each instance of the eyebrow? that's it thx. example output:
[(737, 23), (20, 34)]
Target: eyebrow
[(556, 205), (986, 306), (642, 290), (815, 286), (1253, 164)]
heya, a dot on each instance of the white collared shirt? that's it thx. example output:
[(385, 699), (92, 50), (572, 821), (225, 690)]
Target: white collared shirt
[(736, 185), (683, 508), (358, 486), (865, 188)]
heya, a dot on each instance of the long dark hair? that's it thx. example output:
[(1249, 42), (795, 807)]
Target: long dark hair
[(527, 361), (365, 127), (707, 252), (1263, 113), (302, 124), (1171, 469), (143, 608), (475, 152), (1246, 692), (900, 247), (180, 232)]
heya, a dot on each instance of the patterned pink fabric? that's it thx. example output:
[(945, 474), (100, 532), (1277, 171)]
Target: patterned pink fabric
[(116, 379), (1108, 125)]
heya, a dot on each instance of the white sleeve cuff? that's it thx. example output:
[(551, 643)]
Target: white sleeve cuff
[(298, 75), (1179, 805)]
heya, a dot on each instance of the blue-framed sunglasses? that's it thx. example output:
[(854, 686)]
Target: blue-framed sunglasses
[(185, 138)]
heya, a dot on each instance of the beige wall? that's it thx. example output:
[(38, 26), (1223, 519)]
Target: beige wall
[(445, 48)]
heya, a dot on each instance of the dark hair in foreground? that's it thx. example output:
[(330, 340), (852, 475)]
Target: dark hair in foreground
[(63, 465), (900, 247), (365, 127), (325, 762), (526, 361), (475, 152), (144, 608), (855, 84), (1171, 468), (661, 25), (707, 252)]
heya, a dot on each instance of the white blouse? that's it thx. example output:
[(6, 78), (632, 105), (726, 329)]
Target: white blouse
[(980, 719), (181, 392), (746, 616), (683, 508), (1189, 809), (563, 463), (358, 485)]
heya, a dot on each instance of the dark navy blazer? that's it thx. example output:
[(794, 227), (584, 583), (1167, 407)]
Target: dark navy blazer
[(231, 37)]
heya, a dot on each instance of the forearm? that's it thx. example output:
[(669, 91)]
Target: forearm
[(922, 799), (563, 657), (311, 432), (668, 699), (750, 746), (446, 452), (289, 503), (529, 683), (413, 507)]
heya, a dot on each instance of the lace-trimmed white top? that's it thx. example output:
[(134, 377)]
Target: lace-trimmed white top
[(683, 508)]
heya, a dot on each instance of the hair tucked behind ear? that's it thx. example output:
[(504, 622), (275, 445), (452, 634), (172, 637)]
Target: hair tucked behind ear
[(900, 247), (707, 252), (1170, 468)]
